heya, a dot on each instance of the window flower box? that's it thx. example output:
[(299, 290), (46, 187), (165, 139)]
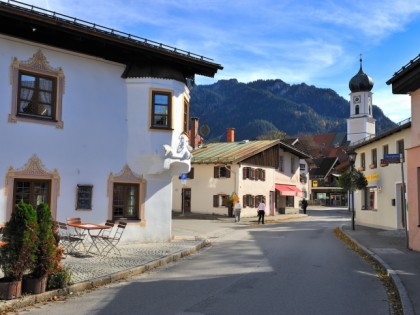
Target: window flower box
[(384, 164), (371, 166), (361, 169)]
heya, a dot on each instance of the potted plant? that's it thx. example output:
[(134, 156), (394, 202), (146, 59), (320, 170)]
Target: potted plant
[(18, 256), (45, 256)]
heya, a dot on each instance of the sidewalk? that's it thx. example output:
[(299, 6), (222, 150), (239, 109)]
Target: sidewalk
[(403, 265)]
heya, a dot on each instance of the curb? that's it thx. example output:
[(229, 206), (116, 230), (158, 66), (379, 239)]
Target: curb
[(8, 306), (406, 304)]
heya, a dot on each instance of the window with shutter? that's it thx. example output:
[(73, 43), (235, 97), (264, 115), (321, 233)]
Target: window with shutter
[(216, 172), (215, 200)]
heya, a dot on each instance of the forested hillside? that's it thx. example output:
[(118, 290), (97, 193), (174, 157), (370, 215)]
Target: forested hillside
[(257, 108)]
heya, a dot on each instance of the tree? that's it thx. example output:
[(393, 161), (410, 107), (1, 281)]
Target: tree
[(352, 180)]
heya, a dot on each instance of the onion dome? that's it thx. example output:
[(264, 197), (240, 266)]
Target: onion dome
[(361, 82)]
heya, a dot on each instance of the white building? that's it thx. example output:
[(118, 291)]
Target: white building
[(93, 121), (380, 204), (266, 170)]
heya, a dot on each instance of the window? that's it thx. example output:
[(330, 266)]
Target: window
[(260, 174), (220, 200), (292, 165), (385, 149), (253, 173), (400, 147), (369, 198), (125, 201), (32, 192), (281, 164), (356, 109), (374, 158), (363, 161), (37, 91), (161, 110), (221, 171), (129, 191), (84, 197), (36, 96), (302, 166), (186, 115), (258, 199), (248, 201)]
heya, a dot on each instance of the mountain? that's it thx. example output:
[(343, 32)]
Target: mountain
[(260, 107)]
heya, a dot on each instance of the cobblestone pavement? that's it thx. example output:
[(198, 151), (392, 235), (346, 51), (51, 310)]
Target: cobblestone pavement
[(91, 266)]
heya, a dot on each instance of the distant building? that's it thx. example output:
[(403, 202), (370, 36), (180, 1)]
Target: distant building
[(266, 170), (361, 124)]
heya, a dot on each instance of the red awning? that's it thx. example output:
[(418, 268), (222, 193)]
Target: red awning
[(297, 190), (285, 190)]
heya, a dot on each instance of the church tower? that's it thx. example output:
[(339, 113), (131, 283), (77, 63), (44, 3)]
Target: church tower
[(361, 123)]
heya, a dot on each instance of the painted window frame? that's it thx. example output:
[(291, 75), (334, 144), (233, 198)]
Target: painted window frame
[(33, 170), (153, 104), (38, 67), (127, 176)]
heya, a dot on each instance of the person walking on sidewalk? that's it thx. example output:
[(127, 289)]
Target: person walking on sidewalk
[(261, 212), (304, 205), (237, 211)]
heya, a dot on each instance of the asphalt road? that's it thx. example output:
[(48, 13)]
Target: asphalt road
[(293, 267)]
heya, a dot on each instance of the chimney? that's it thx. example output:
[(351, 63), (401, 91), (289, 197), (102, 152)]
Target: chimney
[(230, 134), (194, 132)]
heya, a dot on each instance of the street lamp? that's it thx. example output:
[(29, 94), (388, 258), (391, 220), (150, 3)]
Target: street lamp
[(352, 158)]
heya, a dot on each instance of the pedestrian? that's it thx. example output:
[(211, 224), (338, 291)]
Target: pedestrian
[(304, 205), (237, 211), (261, 212)]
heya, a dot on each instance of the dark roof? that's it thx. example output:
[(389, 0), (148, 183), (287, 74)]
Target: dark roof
[(400, 126), (142, 56), (235, 152), (407, 79), (361, 82), (324, 167)]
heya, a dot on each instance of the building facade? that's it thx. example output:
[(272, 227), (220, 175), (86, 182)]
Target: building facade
[(266, 170), (95, 124), (407, 81), (381, 203)]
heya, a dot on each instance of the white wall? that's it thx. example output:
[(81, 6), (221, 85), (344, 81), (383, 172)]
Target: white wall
[(106, 121), (386, 181)]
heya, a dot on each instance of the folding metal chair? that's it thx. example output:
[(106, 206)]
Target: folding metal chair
[(99, 240), (112, 241), (67, 240)]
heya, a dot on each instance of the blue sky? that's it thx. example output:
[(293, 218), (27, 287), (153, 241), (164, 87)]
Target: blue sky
[(313, 41)]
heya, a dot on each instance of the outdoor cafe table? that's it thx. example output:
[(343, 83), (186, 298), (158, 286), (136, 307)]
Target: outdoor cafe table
[(89, 227)]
